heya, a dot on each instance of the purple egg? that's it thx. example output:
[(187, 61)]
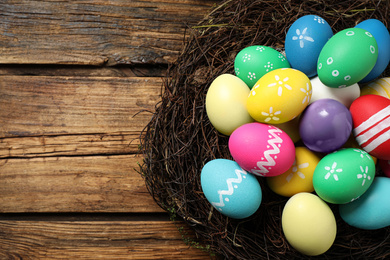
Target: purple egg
[(325, 125)]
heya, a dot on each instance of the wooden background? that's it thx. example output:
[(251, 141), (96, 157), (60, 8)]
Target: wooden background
[(73, 77)]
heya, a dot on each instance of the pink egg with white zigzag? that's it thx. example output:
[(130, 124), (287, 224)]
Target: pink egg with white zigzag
[(263, 150)]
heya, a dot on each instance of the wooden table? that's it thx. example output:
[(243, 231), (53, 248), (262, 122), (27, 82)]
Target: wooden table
[(74, 78)]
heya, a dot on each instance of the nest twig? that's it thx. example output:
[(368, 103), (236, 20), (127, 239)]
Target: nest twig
[(179, 139)]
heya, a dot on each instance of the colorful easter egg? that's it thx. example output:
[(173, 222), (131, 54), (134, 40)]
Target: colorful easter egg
[(226, 103), (347, 58), (279, 96), (379, 87), (231, 190), (344, 95), (304, 41), (344, 175), (261, 149), (325, 125), (372, 210), (382, 37), (299, 178), (252, 62), (308, 224), (371, 124)]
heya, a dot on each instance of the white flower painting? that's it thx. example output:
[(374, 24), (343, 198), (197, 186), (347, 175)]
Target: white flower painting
[(302, 37), (280, 83), (271, 115), (333, 171)]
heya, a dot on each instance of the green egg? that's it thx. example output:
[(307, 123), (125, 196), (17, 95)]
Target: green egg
[(253, 62), (347, 58), (343, 176)]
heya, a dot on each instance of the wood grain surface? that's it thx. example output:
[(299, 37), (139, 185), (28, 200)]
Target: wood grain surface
[(93, 240), (95, 32), (79, 81)]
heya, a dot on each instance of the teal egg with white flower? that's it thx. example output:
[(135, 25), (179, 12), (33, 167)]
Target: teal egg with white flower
[(253, 62), (372, 210), (304, 41), (347, 58), (343, 176), (231, 190)]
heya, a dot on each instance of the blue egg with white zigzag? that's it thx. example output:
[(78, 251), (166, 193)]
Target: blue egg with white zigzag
[(231, 190), (304, 41)]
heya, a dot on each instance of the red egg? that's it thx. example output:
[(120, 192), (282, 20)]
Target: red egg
[(371, 124)]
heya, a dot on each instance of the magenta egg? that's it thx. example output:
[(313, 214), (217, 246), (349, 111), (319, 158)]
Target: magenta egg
[(325, 125), (262, 149)]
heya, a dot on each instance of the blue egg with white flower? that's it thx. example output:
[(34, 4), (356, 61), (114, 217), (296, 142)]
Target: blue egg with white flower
[(382, 37), (231, 190), (304, 41)]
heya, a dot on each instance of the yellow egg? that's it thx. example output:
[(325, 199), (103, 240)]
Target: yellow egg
[(226, 103), (308, 224), (379, 87), (299, 178), (279, 96)]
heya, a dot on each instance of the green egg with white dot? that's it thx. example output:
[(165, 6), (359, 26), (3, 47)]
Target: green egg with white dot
[(343, 176), (347, 58), (253, 62)]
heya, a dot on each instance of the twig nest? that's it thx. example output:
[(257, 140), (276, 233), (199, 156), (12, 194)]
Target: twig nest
[(180, 139)]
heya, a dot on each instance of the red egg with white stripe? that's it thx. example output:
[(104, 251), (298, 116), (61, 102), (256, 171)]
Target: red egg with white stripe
[(371, 124)]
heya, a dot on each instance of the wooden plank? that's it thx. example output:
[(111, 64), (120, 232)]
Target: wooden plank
[(94, 240), (37, 106), (95, 32), (84, 71), (70, 145), (74, 184)]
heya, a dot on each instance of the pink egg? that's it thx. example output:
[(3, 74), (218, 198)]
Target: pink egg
[(262, 149), (385, 166)]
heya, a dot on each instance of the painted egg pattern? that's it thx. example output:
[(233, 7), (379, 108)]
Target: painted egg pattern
[(304, 41), (371, 124), (299, 178), (252, 62), (379, 87), (347, 58), (343, 176), (279, 96), (230, 189), (261, 149)]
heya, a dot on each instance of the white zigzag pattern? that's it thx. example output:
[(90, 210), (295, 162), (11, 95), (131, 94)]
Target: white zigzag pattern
[(230, 189), (267, 154)]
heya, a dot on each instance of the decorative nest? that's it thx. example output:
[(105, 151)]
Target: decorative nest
[(180, 139)]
